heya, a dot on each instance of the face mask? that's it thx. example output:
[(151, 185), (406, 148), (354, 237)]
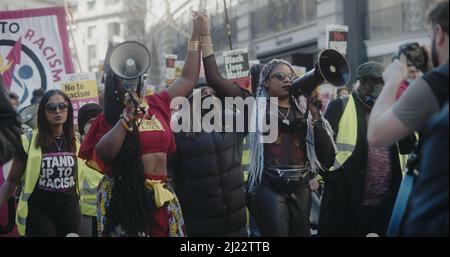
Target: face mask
[(371, 98), (411, 81)]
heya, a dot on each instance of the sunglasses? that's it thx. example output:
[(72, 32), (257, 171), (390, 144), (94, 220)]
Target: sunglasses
[(282, 76), (52, 107)]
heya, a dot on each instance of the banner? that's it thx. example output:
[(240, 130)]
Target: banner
[(34, 50), (81, 89), (337, 37), (238, 68)]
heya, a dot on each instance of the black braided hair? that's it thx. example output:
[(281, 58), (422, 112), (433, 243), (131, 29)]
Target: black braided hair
[(130, 206)]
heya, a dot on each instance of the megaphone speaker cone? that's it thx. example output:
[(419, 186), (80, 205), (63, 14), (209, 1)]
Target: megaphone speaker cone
[(29, 115), (334, 67), (130, 60)]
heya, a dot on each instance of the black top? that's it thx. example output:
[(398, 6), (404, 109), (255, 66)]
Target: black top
[(290, 147), (57, 181)]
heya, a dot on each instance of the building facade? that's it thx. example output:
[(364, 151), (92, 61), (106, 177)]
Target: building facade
[(94, 23), (294, 30)]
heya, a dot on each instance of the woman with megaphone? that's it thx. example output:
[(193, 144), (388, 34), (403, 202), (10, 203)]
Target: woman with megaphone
[(130, 142), (283, 173)]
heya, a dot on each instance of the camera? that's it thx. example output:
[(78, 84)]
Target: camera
[(415, 55)]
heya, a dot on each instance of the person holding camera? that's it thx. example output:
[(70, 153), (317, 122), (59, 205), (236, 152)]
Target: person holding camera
[(362, 183), (413, 112), (390, 120)]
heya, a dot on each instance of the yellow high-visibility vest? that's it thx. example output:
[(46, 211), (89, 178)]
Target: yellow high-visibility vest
[(89, 190), (31, 176), (245, 159), (347, 135)]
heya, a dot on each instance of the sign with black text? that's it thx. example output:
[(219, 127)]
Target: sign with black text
[(237, 67)]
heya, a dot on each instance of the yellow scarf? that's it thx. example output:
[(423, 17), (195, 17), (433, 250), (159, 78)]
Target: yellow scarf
[(162, 195)]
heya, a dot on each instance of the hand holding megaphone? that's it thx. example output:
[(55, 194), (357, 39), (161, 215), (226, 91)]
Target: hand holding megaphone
[(131, 102), (315, 104)]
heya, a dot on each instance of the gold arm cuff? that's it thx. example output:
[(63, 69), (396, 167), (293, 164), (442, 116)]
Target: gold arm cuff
[(206, 40), (193, 46), (207, 51)]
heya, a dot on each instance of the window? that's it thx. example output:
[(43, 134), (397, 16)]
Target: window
[(91, 32), (279, 15), (92, 53), (387, 18), (113, 30), (91, 4)]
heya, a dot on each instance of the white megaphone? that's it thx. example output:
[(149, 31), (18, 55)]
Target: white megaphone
[(130, 61), (29, 116)]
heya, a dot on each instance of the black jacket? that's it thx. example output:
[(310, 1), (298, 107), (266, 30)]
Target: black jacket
[(209, 183), (428, 213), (341, 205)]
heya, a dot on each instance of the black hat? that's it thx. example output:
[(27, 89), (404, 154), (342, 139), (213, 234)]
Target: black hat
[(86, 113), (373, 70)]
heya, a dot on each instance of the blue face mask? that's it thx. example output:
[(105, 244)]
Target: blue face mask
[(411, 81)]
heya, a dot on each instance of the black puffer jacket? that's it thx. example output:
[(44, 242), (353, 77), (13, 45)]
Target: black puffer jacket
[(209, 183)]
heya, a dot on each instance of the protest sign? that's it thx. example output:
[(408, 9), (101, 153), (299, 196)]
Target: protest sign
[(237, 67), (81, 89)]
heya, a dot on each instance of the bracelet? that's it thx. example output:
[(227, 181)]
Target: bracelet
[(193, 46), (125, 125), (206, 40), (126, 117), (207, 51)]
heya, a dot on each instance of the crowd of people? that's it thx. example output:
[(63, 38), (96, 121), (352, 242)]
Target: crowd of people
[(126, 173)]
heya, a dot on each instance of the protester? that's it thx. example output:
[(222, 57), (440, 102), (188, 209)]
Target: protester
[(208, 178), (10, 129), (9, 144), (343, 92), (49, 202), (128, 154), (207, 166), (283, 209), (361, 186), (86, 117), (390, 120)]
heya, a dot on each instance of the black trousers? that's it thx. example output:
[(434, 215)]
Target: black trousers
[(375, 219), (282, 214), (55, 222)]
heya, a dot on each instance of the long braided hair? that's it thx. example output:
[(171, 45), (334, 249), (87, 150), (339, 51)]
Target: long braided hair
[(259, 114), (130, 206)]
